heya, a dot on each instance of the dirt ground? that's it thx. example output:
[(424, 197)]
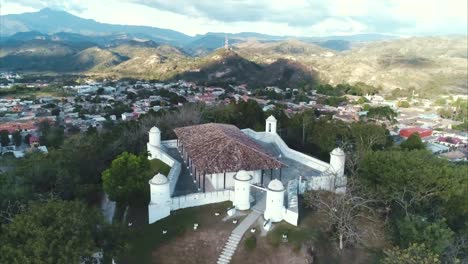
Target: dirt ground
[(201, 246), (267, 254), (309, 243)]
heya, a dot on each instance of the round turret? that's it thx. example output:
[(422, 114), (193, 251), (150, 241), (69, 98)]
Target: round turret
[(337, 162), (159, 187), (155, 137), (276, 185), (242, 190), (274, 201)]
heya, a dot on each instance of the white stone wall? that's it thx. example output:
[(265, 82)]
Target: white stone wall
[(198, 199), (158, 211), (286, 151), (217, 179), (329, 183), (291, 213), (323, 182), (291, 216), (159, 153)]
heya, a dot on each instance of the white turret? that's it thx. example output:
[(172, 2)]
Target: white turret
[(160, 204), (274, 201), (154, 143), (155, 137), (337, 162), (159, 187), (270, 126), (242, 190)]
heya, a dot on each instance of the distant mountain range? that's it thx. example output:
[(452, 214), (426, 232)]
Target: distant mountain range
[(60, 25), (55, 41)]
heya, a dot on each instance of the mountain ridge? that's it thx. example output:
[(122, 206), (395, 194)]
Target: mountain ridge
[(427, 63), (51, 21)]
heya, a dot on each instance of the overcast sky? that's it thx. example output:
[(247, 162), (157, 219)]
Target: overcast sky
[(276, 17)]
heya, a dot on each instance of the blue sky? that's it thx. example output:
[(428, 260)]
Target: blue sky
[(276, 17)]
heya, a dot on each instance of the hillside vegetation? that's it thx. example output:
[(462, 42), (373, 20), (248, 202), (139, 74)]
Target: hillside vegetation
[(428, 65), (422, 63)]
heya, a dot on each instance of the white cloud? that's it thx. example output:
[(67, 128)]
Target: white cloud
[(68, 5), (14, 8), (279, 17)]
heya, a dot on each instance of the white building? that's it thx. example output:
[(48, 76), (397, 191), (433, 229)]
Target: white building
[(226, 163)]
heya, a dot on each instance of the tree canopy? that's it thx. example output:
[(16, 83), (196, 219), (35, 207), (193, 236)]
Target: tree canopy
[(415, 254), (127, 177), (413, 142), (52, 232), (411, 178)]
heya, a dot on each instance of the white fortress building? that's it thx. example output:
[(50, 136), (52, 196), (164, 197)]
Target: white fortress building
[(212, 163)]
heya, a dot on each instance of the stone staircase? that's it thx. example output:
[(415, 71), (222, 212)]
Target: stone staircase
[(236, 235), (229, 249)]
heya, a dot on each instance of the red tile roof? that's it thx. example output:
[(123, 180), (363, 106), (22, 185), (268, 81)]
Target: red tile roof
[(216, 148)]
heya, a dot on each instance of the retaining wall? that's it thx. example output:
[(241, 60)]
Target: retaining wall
[(176, 167), (198, 199), (329, 183)]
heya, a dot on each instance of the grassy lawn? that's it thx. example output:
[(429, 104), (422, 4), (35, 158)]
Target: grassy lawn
[(147, 238), (158, 166)]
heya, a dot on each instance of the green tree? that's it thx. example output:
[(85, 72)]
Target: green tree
[(403, 104), (362, 100), (335, 101), (127, 178), (381, 113), (440, 101), (411, 179), (414, 254), (368, 136), (55, 112), (17, 138), (436, 235), (51, 136), (413, 142), (26, 139), (4, 138), (51, 232)]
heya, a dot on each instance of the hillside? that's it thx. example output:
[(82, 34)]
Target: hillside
[(45, 55), (50, 21), (35, 55), (430, 65), (268, 52), (95, 59), (149, 60), (423, 63)]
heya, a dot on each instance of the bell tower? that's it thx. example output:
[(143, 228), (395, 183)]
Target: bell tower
[(270, 126)]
